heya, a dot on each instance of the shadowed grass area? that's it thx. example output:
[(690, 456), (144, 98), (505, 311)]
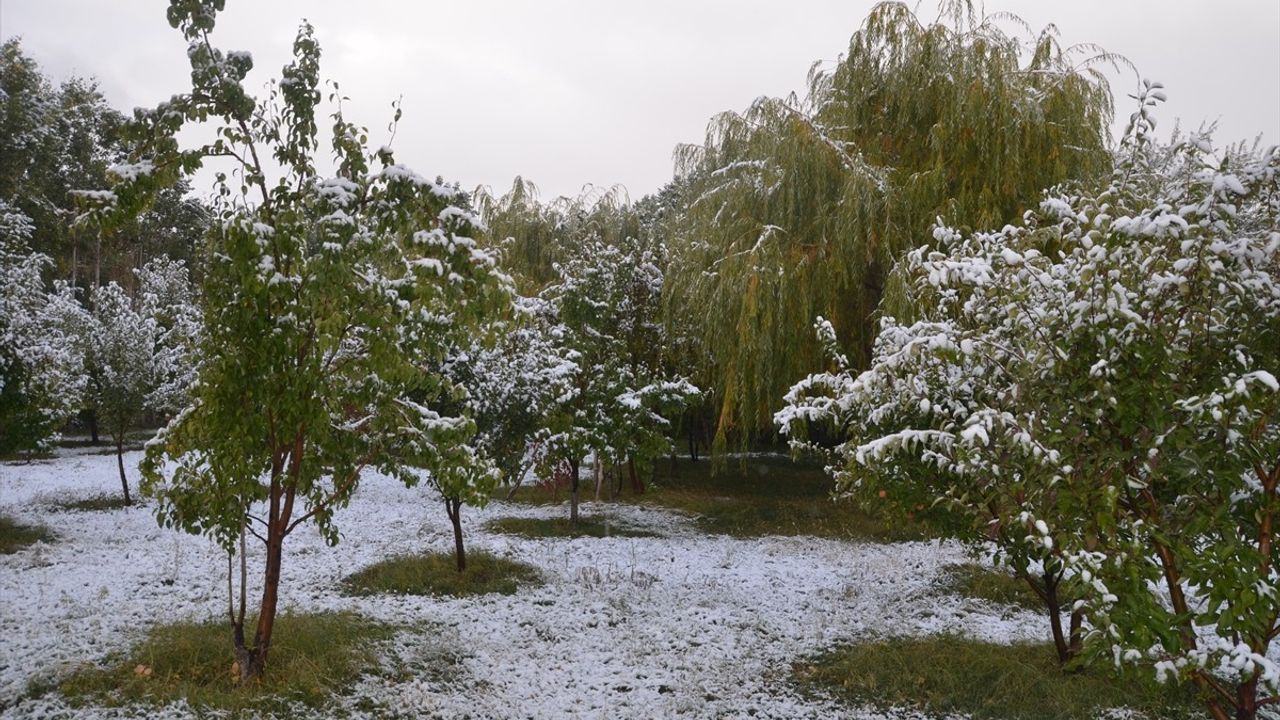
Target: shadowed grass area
[(987, 583), (561, 527), (313, 657), (96, 503), (437, 574), (949, 674), (758, 495), (14, 535)]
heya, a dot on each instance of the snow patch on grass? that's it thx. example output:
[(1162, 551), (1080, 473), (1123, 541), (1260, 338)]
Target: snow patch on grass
[(680, 625)]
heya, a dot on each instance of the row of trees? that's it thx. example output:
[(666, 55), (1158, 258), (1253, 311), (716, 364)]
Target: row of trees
[(113, 358), (1093, 394), (94, 324), (356, 321), (58, 140), (1089, 389)]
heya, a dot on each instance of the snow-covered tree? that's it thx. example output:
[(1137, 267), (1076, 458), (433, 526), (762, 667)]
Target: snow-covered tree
[(120, 346), (607, 299), (166, 296), (42, 376), (515, 375), (1095, 389), (329, 305)]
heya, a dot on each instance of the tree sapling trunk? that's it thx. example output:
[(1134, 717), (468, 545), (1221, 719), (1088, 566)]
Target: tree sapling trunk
[(453, 507), (124, 481), (573, 490)]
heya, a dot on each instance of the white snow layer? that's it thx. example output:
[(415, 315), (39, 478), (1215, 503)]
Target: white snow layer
[(683, 625)]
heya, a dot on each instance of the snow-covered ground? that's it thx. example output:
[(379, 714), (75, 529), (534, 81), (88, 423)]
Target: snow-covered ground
[(681, 625)]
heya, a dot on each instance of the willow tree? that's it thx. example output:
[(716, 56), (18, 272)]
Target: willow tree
[(800, 207), (535, 236)]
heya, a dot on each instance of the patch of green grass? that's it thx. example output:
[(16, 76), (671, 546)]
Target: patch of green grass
[(437, 574), (15, 536), (95, 503), (772, 495), (561, 527), (313, 657), (754, 496), (987, 583), (950, 674)]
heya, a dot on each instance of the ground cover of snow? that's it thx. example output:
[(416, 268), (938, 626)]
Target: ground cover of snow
[(680, 625)]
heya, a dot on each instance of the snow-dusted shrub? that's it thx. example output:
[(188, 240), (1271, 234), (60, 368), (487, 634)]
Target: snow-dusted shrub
[(1095, 391)]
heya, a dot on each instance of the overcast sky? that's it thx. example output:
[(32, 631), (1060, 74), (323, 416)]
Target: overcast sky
[(567, 92)]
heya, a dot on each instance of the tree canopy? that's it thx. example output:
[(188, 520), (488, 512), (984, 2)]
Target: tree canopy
[(800, 207)]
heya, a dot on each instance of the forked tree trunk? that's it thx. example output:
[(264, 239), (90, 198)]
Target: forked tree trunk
[(253, 660), (453, 507), (124, 481)]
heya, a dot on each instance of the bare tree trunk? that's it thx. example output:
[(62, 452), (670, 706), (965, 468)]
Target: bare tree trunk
[(524, 469), (124, 482), (598, 470), (93, 426), (573, 490), (453, 507), (1055, 617), (1247, 698)]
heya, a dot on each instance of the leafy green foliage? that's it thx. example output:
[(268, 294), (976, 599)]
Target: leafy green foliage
[(802, 207), (330, 303)]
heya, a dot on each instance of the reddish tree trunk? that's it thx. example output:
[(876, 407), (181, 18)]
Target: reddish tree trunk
[(253, 660)]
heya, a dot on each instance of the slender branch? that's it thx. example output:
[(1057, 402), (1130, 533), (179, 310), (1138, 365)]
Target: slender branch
[(338, 491)]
